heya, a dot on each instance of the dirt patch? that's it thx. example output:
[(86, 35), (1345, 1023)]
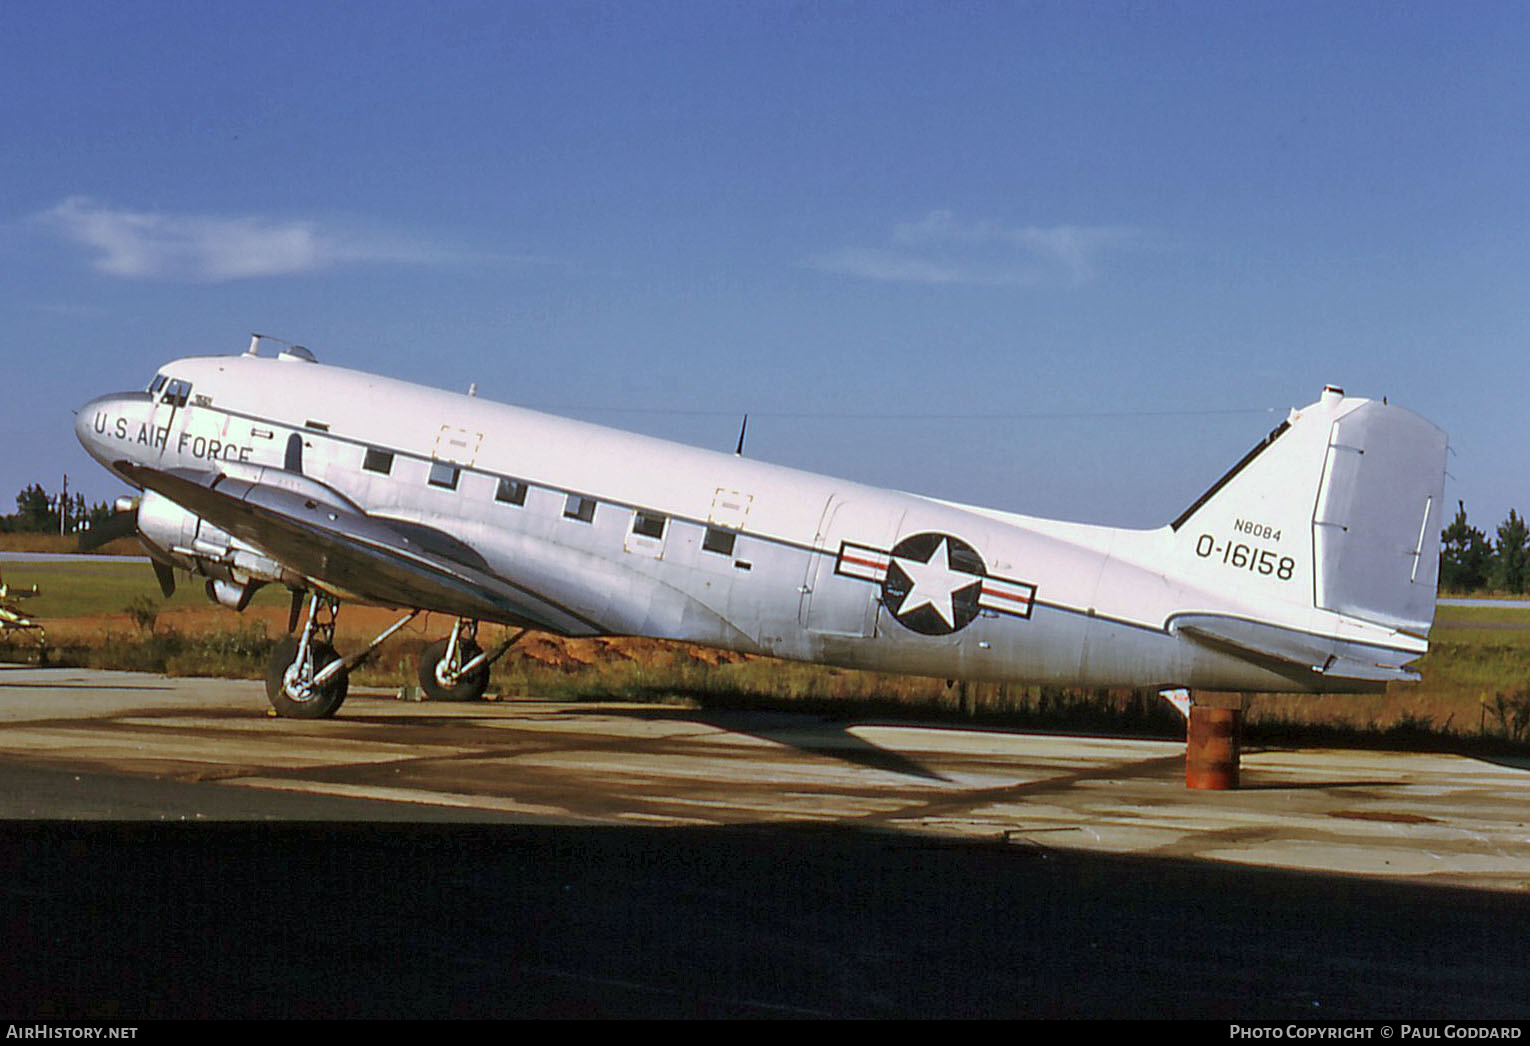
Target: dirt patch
[(1382, 815), (358, 625)]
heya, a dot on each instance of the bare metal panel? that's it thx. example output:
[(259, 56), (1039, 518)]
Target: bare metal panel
[(1376, 524)]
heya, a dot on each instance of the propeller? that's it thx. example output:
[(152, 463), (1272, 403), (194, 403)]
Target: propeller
[(165, 576), (120, 524), (123, 523)]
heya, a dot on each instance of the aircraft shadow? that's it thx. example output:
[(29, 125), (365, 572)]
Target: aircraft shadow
[(812, 735)]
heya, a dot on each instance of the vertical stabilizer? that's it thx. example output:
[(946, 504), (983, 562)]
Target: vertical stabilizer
[(1339, 508)]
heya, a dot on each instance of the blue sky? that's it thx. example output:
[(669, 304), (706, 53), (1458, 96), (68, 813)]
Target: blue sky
[(1070, 259)]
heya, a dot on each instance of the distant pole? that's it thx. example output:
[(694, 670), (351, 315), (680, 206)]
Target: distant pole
[(63, 505)]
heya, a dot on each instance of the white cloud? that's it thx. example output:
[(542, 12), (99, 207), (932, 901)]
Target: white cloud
[(216, 249), (939, 249)]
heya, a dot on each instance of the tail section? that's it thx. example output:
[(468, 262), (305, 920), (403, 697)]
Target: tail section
[(1339, 508), (1376, 527)]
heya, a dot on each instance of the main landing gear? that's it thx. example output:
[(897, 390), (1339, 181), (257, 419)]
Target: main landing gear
[(307, 679), (444, 675), (302, 680), (456, 668)]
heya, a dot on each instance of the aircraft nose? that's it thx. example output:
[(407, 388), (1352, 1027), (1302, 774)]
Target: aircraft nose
[(95, 422), (86, 417)]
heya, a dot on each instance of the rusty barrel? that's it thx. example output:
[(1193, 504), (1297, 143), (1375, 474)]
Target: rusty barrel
[(1211, 748)]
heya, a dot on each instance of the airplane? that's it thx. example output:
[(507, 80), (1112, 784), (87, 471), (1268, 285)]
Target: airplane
[(1309, 567), (12, 619)]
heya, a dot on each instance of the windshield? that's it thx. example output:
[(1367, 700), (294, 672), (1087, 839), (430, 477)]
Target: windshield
[(176, 392)]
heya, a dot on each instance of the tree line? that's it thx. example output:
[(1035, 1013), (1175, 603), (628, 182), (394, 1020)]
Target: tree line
[(1470, 562), (38, 512)]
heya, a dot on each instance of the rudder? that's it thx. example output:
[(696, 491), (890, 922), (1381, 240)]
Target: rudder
[(1376, 524)]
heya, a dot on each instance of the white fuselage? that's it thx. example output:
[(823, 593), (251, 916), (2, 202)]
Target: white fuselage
[(608, 532)]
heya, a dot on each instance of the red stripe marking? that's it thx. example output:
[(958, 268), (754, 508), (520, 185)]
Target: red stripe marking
[(1005, 595)]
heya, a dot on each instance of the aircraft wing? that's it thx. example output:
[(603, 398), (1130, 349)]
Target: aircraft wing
[(346, 550)]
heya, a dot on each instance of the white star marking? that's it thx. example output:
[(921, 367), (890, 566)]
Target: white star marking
[(934, 584)]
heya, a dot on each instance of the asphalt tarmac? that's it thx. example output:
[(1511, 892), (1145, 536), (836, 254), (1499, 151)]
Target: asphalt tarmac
[(169, 850)]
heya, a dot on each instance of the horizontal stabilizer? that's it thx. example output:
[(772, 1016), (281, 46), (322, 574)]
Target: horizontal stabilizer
[(1326, 656)]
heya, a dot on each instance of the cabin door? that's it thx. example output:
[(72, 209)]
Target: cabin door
[(834, 601)]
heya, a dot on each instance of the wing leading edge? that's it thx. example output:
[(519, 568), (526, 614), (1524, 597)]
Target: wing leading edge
[(335, 544)]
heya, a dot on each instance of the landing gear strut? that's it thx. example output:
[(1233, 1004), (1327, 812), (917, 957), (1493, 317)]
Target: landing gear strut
[(305, 678), (456, 668), (296, 681)]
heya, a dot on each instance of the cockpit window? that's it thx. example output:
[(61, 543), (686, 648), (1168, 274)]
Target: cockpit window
[(156, 384), (176, 392)]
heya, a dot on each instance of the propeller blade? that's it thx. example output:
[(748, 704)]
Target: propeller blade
[(166, 576), (117, 525)]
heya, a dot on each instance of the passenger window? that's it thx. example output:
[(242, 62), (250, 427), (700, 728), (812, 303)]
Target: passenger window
[(510, 491), (444, 475), (649, 524), (378, 461), (580, 508), (719, 541)]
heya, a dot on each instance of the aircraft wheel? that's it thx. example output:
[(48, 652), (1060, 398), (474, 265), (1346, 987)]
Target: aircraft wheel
[(289, 685), (470, 687)]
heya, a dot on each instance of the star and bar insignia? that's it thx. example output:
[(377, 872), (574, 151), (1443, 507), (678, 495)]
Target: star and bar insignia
[(934, 583)]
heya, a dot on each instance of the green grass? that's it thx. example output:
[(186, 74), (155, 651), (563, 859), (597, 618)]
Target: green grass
[(67, 590)]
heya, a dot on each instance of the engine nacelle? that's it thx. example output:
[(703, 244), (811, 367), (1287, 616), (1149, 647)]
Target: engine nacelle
[(174, 533), (189, 542), (231, 595)]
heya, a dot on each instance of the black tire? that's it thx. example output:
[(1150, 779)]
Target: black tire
[(321, 705), (470, 687)]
